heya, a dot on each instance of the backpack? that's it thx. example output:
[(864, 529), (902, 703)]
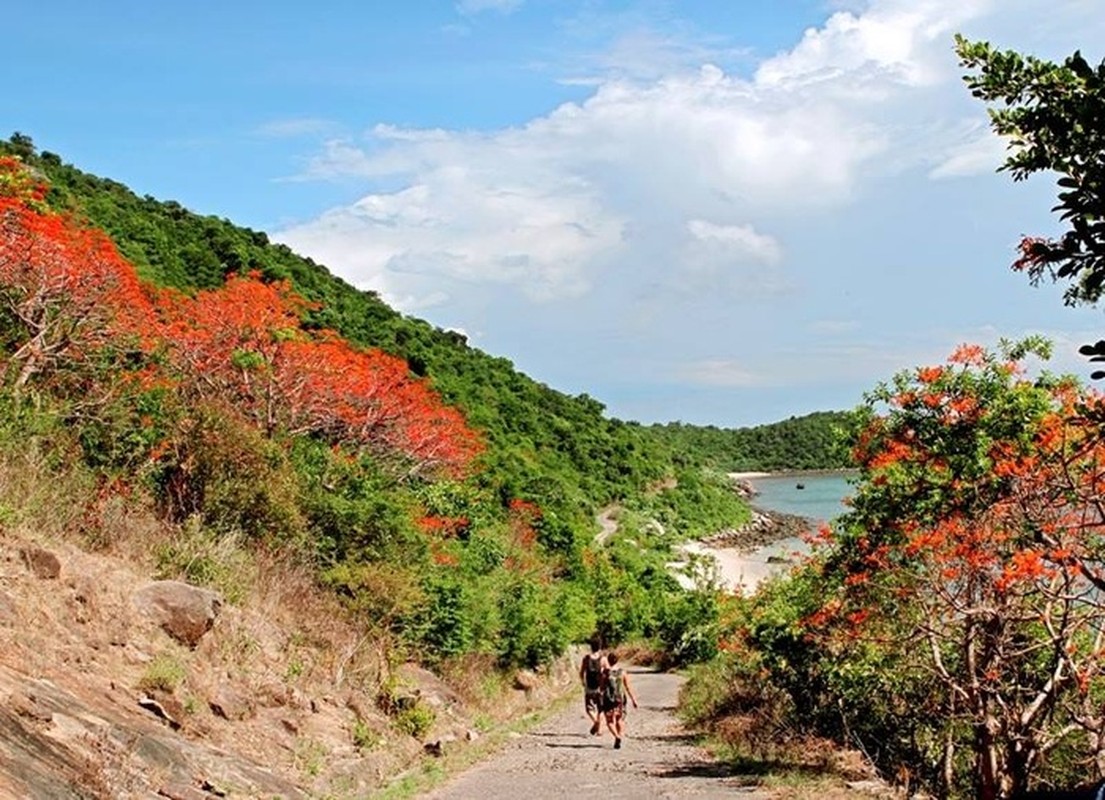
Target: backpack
[(613, 692), (592, 674)]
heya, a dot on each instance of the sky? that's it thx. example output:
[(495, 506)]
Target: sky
[(720, 212)]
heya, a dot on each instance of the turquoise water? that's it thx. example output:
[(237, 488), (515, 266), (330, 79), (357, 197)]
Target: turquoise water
[(820, 500)]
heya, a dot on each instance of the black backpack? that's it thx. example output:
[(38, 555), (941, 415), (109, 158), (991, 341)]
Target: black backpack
[(592, 674)]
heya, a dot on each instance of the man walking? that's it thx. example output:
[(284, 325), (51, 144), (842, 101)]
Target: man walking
[(591, 669)]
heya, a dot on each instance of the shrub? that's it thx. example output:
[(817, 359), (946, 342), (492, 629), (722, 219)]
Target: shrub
[(165, 673), (415, 720), (233, 476)]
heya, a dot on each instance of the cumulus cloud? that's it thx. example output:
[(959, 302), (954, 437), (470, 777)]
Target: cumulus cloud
[(550, 205), (889, 43), (674, 195)]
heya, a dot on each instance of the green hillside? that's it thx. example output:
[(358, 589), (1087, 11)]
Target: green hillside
[(814, 441), (547, 446), (184, 391)]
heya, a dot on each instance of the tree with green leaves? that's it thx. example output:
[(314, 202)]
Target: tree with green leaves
[(1053, 116)]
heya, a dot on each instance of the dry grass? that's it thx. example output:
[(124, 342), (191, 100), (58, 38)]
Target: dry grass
[(286, 647), (284, 643), (796, 767)]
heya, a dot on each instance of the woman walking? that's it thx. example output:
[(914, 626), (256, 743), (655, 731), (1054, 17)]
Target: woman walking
[(616, 688)]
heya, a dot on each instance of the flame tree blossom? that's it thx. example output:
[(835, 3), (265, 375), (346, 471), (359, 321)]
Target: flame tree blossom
[(975, 551)]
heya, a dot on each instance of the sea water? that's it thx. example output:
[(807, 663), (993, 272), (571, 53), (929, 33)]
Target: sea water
[(820, 499)]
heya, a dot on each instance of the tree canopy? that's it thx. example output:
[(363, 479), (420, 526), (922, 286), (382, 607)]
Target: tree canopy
[(1053, 116)]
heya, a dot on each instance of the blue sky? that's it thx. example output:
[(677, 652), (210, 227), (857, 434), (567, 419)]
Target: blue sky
[(723, 212)]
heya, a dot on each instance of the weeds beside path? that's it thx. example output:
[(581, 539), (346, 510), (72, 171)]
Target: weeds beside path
[(558, 758)]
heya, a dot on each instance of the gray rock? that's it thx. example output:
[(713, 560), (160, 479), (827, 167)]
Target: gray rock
[(183, 611)]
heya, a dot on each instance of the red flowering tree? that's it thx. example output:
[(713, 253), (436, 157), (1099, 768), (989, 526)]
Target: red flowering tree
[(65, 291), (243, 345), (975, 549)]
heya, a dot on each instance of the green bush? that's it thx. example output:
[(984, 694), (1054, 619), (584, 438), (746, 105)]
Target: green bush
[(204, 557), (415, 720), (165, 673), (232, 475)]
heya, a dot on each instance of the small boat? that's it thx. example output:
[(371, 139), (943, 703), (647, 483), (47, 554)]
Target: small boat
[(800, 486)]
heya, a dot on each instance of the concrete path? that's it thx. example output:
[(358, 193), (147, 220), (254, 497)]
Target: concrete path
[(560, 758)]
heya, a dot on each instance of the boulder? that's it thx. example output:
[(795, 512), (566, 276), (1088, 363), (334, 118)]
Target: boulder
[(230, 704), (183, 611), (42, 563)]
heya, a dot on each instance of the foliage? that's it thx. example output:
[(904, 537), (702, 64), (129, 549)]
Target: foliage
[(203, 557), (556, 450), (951, 621), (1053, 116), (164, 673), (695, 503), (65, 293), (814, 441), (416, 719), (243, 344), (263, 403)]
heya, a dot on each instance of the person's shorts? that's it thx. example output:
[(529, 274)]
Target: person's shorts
[(592, 699), (616, 708)]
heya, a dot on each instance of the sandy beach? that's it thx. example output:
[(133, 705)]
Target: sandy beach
[(740, 571)]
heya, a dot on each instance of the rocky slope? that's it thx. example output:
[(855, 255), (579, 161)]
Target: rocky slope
[(116, 685)]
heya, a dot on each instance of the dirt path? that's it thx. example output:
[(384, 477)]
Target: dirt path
[(608, 523), (560, 759)]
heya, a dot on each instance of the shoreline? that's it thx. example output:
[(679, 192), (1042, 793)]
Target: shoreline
[(747, 555), (763, 529), (786, 473)]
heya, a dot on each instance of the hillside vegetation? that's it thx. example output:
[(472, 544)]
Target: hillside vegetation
[(210, 407), (817, 441)]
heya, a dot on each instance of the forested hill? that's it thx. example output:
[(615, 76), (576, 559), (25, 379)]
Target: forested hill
[(814, 441), (559, 451), (172, 360)]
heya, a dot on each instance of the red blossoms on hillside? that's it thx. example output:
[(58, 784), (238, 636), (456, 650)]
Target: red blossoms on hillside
[(64, 288), (243, 344)]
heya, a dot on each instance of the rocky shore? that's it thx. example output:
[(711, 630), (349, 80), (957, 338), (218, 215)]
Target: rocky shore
[(763, 528)]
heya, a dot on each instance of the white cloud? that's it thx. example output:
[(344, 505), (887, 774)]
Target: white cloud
[(457, 225), (296, 126), (890, 42), (549, 205), (684, 208), (719, 372), (737, 242), (981, 151)]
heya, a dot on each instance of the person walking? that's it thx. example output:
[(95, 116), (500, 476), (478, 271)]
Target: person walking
[(591, 670), (616, 689)]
